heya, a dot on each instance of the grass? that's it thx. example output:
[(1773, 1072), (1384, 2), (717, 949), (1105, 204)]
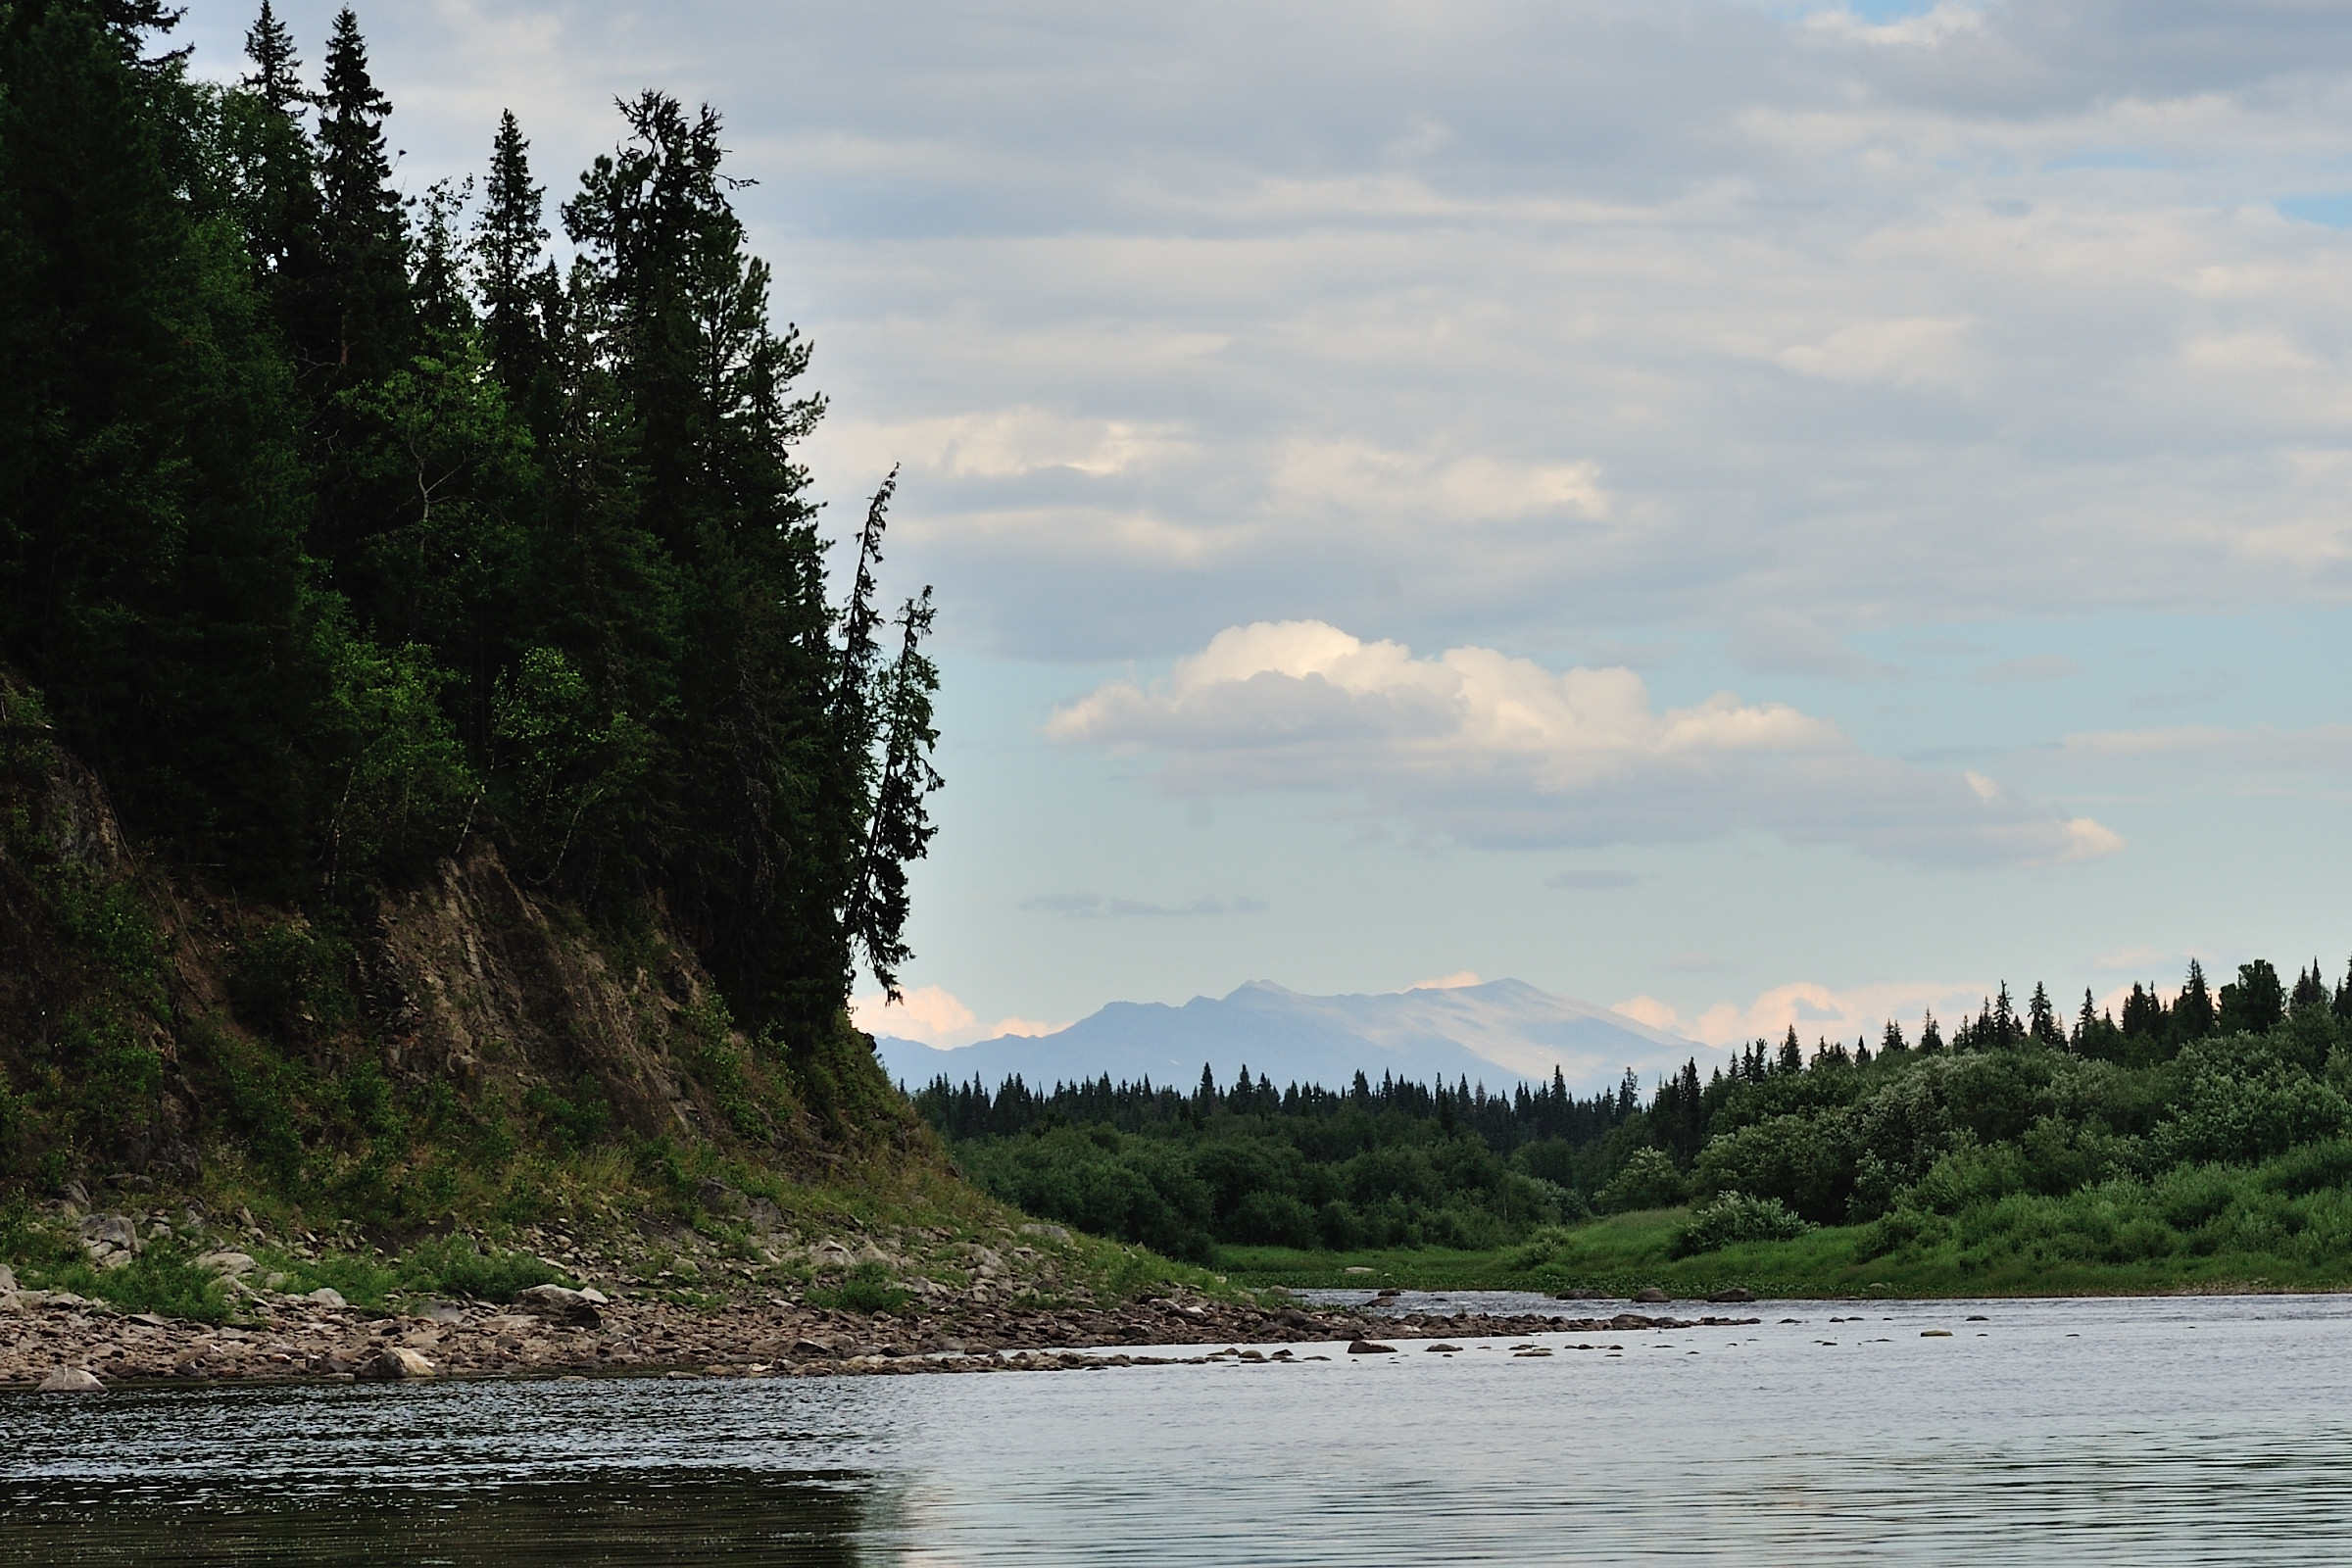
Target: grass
[(2018, 1247)]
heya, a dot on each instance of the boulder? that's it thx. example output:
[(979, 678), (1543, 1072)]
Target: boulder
[(1370, 1347), (1738, 1292), (393, 1364), (1051, 1233), (563, 1305), (8, 1278), (99, 1231), (1648, 1293), (328, 1295), (70, 1380), (232, 1265)]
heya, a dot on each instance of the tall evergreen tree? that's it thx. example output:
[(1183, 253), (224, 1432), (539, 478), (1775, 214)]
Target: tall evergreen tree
[(362, 222), (276, 76), (519, 290), (2192, 1016)]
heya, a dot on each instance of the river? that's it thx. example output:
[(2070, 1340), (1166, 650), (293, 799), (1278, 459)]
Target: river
[(2174, 1430)]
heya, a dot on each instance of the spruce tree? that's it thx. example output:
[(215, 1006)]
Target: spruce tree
[(520, 291), (1793, 1054), (362, 222), (2193, 1013), (276, 76)]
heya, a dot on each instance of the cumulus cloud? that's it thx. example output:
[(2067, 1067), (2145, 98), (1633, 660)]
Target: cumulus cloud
[(933, 1015), (1816, 1013), (1500, 752)]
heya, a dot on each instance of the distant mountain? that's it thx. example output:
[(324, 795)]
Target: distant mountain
[(1497, 1033)]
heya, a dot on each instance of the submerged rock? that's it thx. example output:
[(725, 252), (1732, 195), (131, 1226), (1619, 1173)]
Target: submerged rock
[(1737, 1293), (1370, 1347)]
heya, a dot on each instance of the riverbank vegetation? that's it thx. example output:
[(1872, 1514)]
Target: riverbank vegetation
[(2195, 1143), (445, 775)]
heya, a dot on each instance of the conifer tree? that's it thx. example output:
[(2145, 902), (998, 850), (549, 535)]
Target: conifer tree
[(1890, 1040), (520, 293), (276, 76), (363, 224), (2193, 1011), (2042, 1018)]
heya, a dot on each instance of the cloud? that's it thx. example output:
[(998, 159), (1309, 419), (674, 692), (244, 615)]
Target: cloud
[(1500, 752), (1095, 906), (1526, 322), (932, 1015), (1448, 982), (1817, 1012), (1779, 642)]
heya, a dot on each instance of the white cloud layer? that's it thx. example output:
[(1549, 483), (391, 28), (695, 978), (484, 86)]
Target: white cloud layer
[(1820, 1013), (1495, 320), (1500, 752), (932, 1015)]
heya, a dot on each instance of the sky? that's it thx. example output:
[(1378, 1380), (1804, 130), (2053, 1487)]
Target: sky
[(1751, 514)]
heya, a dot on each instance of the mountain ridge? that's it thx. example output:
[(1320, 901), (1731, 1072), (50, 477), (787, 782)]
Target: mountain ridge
[(1497, 1032)]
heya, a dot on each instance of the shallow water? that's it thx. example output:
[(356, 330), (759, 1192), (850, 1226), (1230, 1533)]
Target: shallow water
[(2181, 1430)]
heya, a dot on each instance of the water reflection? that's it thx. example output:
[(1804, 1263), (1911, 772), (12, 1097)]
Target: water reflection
[(620, 1519), (2183, 1432)]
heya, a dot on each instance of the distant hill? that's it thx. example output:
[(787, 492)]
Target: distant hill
[(1497, 1033)]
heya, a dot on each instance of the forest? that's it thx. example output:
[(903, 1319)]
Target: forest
[(2207, 1126), (346, 532)]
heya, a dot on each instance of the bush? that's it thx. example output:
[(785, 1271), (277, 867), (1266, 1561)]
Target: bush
[(1808, 1162), (1733, 1217), (456, 1267), (1648, 1180), (867, 1289)]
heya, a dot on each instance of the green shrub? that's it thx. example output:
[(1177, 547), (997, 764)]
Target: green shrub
[(867, 1289), (456, 1267), (1728, 1218), (162, 1279), (1648, 1180)]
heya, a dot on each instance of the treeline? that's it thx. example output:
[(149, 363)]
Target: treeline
[(2013, 1101), (340, 529), (1388, 1165)]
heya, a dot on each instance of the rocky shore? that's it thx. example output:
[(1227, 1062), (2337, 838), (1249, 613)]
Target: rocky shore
[(69, 1345)]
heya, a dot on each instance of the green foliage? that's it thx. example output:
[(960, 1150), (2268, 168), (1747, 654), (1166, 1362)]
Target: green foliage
[(289, 983), (163, 1278), (578, 1121), (565, 772), (867, 1288), (458, 1265), (1647, 1181), (1732, 1217), (403, 783), (335, 542)]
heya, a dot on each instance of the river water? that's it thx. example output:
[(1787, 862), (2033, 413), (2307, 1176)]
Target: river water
[(2176, 1430)]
